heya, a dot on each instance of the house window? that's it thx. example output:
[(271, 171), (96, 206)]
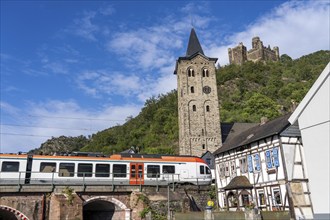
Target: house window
[(191, 72), (226, 169), (207, 108), (272, 158), (208, 161), (233, 168), (192, 90), (261, 198), (277, 196), (222, 169), (243, 165), (203, 146), (194, 108), (245, 199), (205, 73)]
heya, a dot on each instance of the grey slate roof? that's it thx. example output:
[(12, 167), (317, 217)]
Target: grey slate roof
[(230, 130), (255, 133), (208, 155), (193, 46), (194, 49)]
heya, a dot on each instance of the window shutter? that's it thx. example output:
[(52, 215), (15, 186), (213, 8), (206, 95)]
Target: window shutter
[(250, 165), (275, 156), (268, 159), (257, 159)]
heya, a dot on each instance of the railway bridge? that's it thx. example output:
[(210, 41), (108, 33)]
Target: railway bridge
[(76, 202)]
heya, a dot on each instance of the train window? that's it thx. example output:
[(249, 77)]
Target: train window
[(8, 166), (119, 170), (208, 171), (66, 169), (47, 167), (85, 169), (168, 169), (140, 171), (102, 170), (153, 171), (133, 171), (201, 170)]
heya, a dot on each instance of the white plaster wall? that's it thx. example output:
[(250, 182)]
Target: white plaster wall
[(318, 109), (315, 129), (316, 145)]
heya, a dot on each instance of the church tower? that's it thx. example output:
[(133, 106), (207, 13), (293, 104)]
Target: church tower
[(199, 118)]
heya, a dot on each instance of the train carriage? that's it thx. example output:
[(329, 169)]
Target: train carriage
[(133, 169), (11, 167)]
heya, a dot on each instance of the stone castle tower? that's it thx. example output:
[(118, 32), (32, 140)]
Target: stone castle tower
[(239, 54), (198, 105)]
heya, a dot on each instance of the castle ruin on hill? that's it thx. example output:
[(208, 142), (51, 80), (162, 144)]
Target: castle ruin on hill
[(239, 54)]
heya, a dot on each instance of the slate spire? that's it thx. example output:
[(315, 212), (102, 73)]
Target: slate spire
[(193, 46)]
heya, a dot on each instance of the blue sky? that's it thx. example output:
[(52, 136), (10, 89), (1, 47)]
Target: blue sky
[(78, 67)]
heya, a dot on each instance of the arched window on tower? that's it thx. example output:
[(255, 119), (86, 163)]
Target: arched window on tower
[(191, 72), (207, 108), (205, 73), (192, 90), (194, 108)]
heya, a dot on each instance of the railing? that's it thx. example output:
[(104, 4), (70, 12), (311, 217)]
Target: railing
[(88, 178)]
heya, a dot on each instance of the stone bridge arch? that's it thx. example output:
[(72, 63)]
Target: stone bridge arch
[(11, 212), (121, 206)]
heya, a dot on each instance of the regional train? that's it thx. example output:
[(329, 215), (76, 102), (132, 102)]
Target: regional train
[(119, 169)]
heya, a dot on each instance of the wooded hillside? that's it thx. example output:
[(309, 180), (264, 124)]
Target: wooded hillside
[(246, 93)]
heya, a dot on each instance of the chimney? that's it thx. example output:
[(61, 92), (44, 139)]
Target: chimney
[(263, 120)]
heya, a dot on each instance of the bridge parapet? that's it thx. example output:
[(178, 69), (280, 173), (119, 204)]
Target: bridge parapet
[(88, 188), (69, 202)]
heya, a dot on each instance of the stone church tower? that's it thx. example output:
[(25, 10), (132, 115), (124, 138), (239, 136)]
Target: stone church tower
[(199, 118)]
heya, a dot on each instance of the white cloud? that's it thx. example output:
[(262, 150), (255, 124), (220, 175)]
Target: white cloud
[(97, 83), (56, 67), (108, 10), (297, 27), (84, 27), (146, 49), (55, 118), (157, 46)]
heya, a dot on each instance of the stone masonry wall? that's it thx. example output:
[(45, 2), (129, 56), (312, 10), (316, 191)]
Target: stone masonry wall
[(31, 205), (199, 128), (239, 54)]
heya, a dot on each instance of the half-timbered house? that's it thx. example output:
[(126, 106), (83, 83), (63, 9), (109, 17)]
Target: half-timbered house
[(264, 166)]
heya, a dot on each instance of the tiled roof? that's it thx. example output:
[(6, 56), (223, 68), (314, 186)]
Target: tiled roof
[(255, 133), (239, 182)]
